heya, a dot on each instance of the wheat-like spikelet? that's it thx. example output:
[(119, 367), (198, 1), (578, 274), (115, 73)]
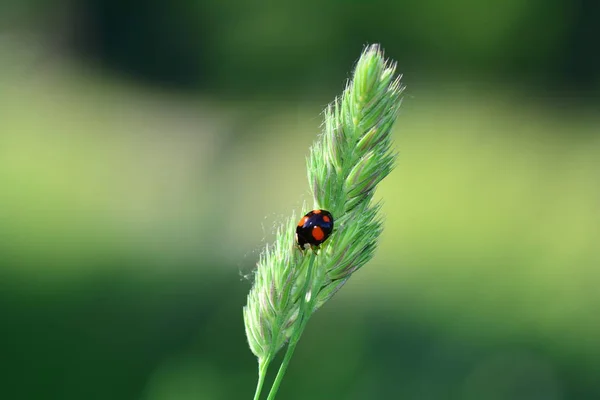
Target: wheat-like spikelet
[(345, 164)]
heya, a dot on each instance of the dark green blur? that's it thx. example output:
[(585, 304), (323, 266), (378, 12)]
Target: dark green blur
[(148, 149)]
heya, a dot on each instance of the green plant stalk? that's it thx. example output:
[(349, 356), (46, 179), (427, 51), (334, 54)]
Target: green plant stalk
[(344, 166), (263, 366), (305, 313)]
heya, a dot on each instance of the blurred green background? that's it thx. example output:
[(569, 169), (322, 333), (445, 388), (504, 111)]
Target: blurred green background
[(148, 148)]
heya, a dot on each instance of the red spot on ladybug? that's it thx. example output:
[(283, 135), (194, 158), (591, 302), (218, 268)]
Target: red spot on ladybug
[(303, 221), (314, 228), (317, 233)]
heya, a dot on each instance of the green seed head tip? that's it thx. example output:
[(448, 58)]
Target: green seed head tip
[(347, 161)]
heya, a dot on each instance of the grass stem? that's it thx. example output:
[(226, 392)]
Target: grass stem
[(263, 365), (345, 164)]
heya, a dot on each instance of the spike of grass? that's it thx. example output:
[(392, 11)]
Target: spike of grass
[(345, 164)]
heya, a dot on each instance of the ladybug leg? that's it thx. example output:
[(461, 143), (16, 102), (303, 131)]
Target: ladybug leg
[(299, 249), (296, 247)]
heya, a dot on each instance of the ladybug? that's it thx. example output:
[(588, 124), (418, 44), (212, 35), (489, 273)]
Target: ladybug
[(313, 229)]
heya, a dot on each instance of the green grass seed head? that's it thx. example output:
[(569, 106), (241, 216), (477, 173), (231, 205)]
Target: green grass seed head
[(345, 164)]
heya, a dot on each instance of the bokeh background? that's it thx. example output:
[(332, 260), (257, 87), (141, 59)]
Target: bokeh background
[(148, 148)]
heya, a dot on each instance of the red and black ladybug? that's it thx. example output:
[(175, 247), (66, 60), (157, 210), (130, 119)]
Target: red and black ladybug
[(313, 229)]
